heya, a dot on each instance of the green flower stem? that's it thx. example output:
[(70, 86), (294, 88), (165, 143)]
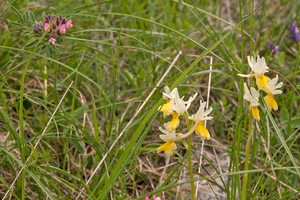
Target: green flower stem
[(248, 145), (186, 117)]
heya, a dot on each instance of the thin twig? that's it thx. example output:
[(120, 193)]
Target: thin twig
[(131, 120), (182, 173), (163, 175), (262, 173), (282, 183), (217, 159), (208, 93), (36, 144)]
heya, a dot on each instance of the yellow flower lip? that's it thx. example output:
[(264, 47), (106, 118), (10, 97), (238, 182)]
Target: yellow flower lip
[(202, 131), (168, 148), (269, 99), (262, 82), (271, 103), (255, 113), (174, 122), (166, 109)]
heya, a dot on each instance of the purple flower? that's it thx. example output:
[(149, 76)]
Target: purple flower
[(52, 40), (273, 47), (62, 29), (238, 37), (294, 32), (58, 28), (69, 24), (47, 26)]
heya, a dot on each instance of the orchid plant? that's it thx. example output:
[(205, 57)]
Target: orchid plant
[(176, 107)]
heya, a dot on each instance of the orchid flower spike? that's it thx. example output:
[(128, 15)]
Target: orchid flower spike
[(253, 99), (200, 117), (269, 98), (258, 68)]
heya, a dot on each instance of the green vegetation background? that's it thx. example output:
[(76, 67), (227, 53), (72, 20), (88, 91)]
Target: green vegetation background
[(74, 99)]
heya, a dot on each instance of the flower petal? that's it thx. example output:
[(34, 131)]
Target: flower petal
[(168, 148), (254, 92), (260, 66), (245, 75), (174, 123), (46, 26), (69, 24), (201, 114), (271, 103), (251, 61), (202, 131), (261, 82), (178, 105), (272, 86), (166, 109), (62, 29), (166, 138), (255, 113), (52, 40)]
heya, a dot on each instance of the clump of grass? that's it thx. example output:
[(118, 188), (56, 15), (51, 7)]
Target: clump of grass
[(79, 116)]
